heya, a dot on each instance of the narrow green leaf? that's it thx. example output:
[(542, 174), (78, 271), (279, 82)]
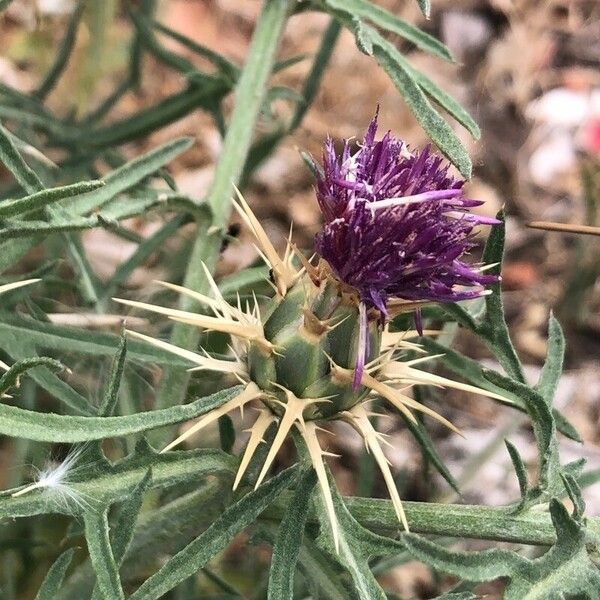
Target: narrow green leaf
[(543, 426), (289, 540), (50, 427), (38, 334), (460, 315), (148, 39), (20, 350), (364, 42), (553, 367), (395, 65), (574, 493), (151, 119), (55, 576), (472, 371), (130, 174), (564, 571), (125, 521), (447, 102), (495, 329), (111, 396), (474, 566), (62, 56), (163, 530), (425, 6), (430, 451), (101, 555), (11, 377), (356, 546), (520, 469), (320, 571), (107, 104), (313, 80), (21, 206), (13, 161), (243, 280), (381, 17), (194, 556), (27, 229), (27, 149), (221, 62)]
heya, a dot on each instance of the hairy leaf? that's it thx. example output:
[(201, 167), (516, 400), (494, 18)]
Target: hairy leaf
[(47, 336), (553, 366), (37, 201), (194, 556), (98, 541), (363, 9), (129, 175), (50, 427), (564, 571), (55, 576), (289, 540)]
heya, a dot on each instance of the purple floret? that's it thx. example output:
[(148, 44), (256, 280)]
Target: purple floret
[(397, 224)]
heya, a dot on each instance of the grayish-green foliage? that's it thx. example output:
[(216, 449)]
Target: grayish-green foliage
[(147, 524)]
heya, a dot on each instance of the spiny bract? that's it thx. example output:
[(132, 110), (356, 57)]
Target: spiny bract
[(318, 350)]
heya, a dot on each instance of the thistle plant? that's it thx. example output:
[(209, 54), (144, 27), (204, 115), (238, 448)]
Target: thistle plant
[(313, 341), (396, 229)]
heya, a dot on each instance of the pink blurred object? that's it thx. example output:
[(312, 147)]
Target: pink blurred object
[(590, 136)]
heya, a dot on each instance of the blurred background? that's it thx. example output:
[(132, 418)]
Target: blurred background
[(527, 70)]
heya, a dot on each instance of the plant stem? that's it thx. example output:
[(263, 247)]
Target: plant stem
[(249, 95), (532, 527)]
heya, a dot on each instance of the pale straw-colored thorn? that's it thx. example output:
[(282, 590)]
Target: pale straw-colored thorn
[(309, 433), (483, 268), (283, 274), (327, 431), (392, 339), (288, 245), (206, 322), (257, 432), (360, 420), (7, 287), (4, 366), (228, 310), (397, 398), (204, 362), (403, 402), (307, 266), (346, 375), (293, 413), (248, 332), (422, 359), (213, 304), (249, 393), (403, 371)]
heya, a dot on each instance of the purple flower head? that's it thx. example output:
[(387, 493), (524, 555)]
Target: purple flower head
[(397, 224)]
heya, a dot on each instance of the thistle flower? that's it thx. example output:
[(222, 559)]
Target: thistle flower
[(296, 353), (397, 226)]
